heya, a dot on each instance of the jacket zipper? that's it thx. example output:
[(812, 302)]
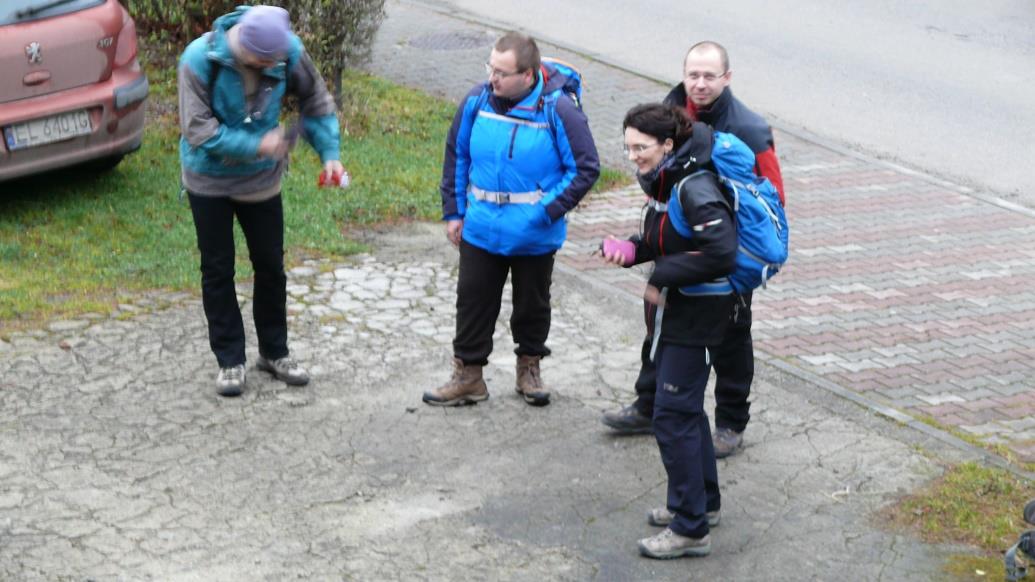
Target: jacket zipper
[(513, 136)]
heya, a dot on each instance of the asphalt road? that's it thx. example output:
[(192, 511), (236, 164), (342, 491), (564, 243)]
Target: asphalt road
[(941, 87)]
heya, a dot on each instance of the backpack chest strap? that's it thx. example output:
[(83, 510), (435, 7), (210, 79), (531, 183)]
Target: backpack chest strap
[(657, 206)]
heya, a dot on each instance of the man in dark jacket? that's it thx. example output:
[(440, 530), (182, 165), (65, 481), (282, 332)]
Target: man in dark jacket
[(707, 97)]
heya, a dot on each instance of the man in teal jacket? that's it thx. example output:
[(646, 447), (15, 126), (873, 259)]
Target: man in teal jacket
[(233, 153), (518, 157)]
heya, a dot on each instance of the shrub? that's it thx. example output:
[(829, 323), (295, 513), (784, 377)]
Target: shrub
[(337, 33)]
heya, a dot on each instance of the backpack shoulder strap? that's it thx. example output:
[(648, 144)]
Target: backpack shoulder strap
[(675, 205), (701, 143)]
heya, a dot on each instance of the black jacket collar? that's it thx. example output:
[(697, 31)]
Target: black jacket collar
[(693, 155)]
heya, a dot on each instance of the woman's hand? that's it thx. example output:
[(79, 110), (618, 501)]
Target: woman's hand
[(653, 296), (617, 252)]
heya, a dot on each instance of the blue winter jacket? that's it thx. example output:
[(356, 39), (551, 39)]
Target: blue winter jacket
[(512, 174), (221, 132)]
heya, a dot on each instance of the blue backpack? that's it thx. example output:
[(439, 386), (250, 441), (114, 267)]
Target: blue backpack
[(572, 78), (762, 231)]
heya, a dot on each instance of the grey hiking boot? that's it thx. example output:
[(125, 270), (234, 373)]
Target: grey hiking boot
[(628, 420), (285, 369), (668, 544), (726, 442), (465, 386), (230, 381), (530, 381), (662, 517)]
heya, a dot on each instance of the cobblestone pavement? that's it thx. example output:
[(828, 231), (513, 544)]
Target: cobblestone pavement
[(118, 462), (912, 292)]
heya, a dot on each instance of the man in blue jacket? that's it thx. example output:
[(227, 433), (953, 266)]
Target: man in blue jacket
[(518, 157), (233, 153)]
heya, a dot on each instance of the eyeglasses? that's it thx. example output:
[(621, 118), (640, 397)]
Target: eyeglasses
[(638, 148), (694, 76), (494, 72)]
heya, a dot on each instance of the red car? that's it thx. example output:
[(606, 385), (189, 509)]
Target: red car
[(71, 89)]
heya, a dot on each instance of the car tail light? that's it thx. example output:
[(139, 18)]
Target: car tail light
[(126, 50)]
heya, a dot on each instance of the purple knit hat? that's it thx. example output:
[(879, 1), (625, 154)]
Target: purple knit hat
[(266, 32)]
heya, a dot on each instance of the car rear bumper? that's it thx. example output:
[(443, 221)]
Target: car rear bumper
[(116, 130)]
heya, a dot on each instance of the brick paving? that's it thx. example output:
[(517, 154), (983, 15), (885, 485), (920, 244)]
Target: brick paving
[(900, 287)]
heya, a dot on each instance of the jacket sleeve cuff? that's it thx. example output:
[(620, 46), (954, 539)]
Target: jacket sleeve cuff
[(250, 143), (555, 210)]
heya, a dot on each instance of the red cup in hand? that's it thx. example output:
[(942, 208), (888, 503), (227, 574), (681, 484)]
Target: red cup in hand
[(339, 179)]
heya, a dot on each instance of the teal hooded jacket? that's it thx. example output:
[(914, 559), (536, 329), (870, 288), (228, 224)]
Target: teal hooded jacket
[(220, 131)]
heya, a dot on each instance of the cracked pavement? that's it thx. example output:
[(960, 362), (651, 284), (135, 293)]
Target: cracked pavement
[(118, 462)]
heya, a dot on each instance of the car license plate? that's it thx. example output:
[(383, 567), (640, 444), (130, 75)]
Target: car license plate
[(47, 129)]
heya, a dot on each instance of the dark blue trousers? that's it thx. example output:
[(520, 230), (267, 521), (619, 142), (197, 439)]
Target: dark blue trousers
[(263, 226), (734, 362), (684, 437)]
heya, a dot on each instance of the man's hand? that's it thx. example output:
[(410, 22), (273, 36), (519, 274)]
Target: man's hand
[(454, 230), (332, 167), (273, 144)]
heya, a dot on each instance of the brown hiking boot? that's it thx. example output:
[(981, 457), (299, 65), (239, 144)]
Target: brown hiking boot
[(530, 381), (466, 386)]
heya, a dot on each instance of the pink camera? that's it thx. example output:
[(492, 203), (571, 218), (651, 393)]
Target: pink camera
[(626, 248)]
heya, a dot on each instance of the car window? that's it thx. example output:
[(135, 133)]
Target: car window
[(12, 11)]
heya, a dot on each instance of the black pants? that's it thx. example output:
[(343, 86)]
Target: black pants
[(684, 438), (263, 226), (479, 293), (734, 362)]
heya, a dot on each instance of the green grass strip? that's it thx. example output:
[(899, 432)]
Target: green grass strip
[(73, 242), (971, 504)]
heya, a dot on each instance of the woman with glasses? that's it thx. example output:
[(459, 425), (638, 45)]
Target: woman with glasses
[(672, 155)]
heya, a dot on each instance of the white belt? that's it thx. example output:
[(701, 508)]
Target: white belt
[(507, 197)]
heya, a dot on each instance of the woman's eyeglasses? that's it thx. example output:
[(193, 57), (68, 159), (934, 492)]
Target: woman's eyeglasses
[(638, 148)]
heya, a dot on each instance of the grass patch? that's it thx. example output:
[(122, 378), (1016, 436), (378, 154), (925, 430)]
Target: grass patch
[(612, 179), (971, 504), (74, 241)]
